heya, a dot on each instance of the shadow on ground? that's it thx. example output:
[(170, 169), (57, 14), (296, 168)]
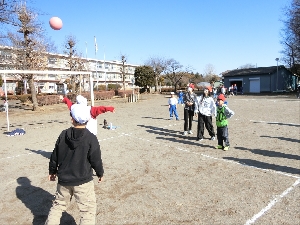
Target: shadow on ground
[(263, 165), (40, 152), (38, 201)]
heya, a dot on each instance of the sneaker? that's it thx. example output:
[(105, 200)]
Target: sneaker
[(177, 119), (226, 148), (199, 139), (171, 118), (213, 138), (190, 132), (219, 147), (185, 133)]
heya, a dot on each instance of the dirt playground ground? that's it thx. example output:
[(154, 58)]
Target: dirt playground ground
[(154, 175)]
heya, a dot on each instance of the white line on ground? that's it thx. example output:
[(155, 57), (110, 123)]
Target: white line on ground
[(12, 157), (261, 121), (256, 216), (225, 160), (272, 203)]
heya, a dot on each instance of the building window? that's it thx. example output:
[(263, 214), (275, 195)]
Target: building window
[(52, 60)]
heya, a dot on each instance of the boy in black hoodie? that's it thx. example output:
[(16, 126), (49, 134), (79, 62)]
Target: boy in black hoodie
[(76, 154)]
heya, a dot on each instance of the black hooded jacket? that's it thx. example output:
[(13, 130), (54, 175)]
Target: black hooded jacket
[(76, 153)]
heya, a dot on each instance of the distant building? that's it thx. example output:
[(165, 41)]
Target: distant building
[(103, 72), (261, 79)]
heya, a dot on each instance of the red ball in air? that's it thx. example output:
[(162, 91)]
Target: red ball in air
[(55, 23)]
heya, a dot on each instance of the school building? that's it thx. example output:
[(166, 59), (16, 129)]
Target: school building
[(103, 72)]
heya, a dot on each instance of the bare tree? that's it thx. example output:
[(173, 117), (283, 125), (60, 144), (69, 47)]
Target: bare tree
[(7, 9), (209, 70), (74, 62), (173, 72), (123, 70), (159, 66), (210, 74), (29, 46), (291, 37)]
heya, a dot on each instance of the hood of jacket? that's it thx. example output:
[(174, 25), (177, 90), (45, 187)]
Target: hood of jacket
[(74, 137)]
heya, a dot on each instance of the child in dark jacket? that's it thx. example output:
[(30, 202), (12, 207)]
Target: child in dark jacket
[(76, 154)]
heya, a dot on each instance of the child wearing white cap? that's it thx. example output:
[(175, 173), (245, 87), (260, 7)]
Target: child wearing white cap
[(173, 106), (76, 154), (94, 111)]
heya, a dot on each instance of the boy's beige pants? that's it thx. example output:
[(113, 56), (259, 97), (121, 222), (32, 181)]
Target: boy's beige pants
[(85, 198)]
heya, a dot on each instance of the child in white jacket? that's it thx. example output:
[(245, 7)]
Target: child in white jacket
[(173, 106), (205, 108)]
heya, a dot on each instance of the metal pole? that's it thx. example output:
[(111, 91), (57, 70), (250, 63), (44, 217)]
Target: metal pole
[(105, 71), (6, 103), (96, 49), (92, 91), (87, 66)]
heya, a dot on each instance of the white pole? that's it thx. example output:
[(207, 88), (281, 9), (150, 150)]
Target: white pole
[(92, 90), (86, 51), (94, 125), (6, 103), (96, 49), (105, 71)]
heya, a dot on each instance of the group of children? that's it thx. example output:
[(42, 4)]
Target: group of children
[(77, 151), (204, 107)]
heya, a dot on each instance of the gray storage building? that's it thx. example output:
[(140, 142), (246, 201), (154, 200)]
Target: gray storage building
[(261, 79)]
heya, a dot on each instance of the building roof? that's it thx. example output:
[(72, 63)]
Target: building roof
[(253, 71)]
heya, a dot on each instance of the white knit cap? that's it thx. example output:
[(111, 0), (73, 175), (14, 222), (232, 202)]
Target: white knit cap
[(81, 100), (80, 113)]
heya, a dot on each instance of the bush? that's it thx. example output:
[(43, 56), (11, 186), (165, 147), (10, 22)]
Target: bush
[(101, 87), (167, 90), (100, 95), (24, 98), (122, 93), (113, 86), (47, 99), (10, 97)]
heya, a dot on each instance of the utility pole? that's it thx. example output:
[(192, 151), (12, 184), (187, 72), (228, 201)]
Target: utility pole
[(123, 70)]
